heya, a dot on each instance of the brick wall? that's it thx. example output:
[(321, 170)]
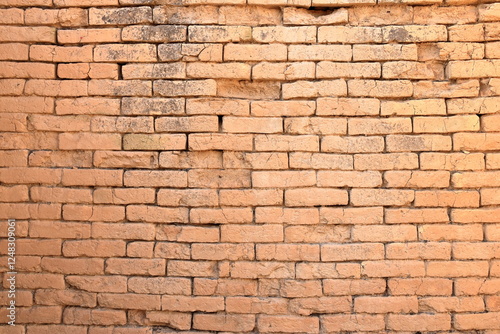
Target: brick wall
[(277, 166)]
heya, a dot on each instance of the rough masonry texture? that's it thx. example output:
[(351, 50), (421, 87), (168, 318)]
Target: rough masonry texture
[(269, 166)]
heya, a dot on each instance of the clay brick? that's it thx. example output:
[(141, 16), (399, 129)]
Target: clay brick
[(82, 316), (256, 305), (221, 215), (388, 161), (353, 322), (165, 250), (248, 52), (380, 15), (381, 233), (255, 160), (216, 322), (331, 70), (304, 16), (154, 142), (414, 33), (419, 251), (284, 34), (158, 33), (252, 197), (395, 268), (285, 179), (90, 141), (444, 15), (384, 52), (320, 52), (213, 106), (420, 286), (409, 143), (380, 89), (39, 281), (476, 321), (154, 214), (316, 234), (444, 198), (218, 34), (475, 286), (328, 270), (282, 108), (95, 177), (359, 144), (452, 161), (93, 248), (27, 70), (65, 297), (426, 322), (352, 216), (14, 51), (227, 287), (466, 33), (472, 69), (65, 88), (197, 159), (24, 175), (113, 159), (417, 179), (173, 88), (249, 233), (347, 107), (349, 179), (123, 231), (353, 35), (215, 71), (86, 105), (26, 104), (143, 267), (283, 71), (60, 159), (37, 34), (120, 88), (492, 161), (192, 304), (16, 193), (468, 251), (286, 143), (129, 301), (287, 252), (18, 158), (120, 16), (242, 269), (386, 304), (252, 125), (302, 160), (341, 287), (439, 232), (412, 70), (96, 35), (490, 196), (451, 51), (288, 324), (315, 196), (422, 216), (249, 15), (278, 215), (367, 126), (489, 12), (154, 71), (485, 215), (223, 251), (73, 266), (187, 197), (311, 89), (475, 179), (188, 234), (187, 124), (185, 15), (352, 252), (61, 53), (160, 285), (152, 106), (445, 89), (50, 229), (125, 53)]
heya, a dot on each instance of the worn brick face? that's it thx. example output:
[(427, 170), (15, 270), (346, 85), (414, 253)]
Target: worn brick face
[(259, 166)]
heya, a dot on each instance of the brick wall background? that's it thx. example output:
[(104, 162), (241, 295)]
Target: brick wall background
[(216, 165)]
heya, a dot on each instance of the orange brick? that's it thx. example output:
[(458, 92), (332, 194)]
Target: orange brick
[(59, 88), (188, 234), (16, 193), (328, 270), (313, 89), (115, 159), (422, 216), (117, 284), (129, 301), (315, 196), (438, 198), (216, 141), (39, 315), (185, 15), (78, 36), (220, 215), (73, 266), (352, 216), (347, 106), (174, 179), (425, 322), (249, 15), (248, 270), (376, 197), (256, 305), (379, 15), (214, 106), (382, 233), (287, 252), (221, 322), (95, 177), (122, 124), (28, 34), (420, 286), (472, 232), (283, 71), (225, 287), (388, 161), (341, 287), (379, 88), (123, 231), (39, 281), (316, 234), (251, 233), (475, 250), (352, 252), (254, 160), (288, 324), (406, 143), (214, 178), (251, 197), (150, 33), (65, 297), (479, 321), (162, 249), (191, 268), (93, 248), (308, 143), (445, 89), (192, 304), (160, 285), (223, 251), (386, 304), (353, 322), (82, 316), (93, 106), (419, 251), (143, 267)]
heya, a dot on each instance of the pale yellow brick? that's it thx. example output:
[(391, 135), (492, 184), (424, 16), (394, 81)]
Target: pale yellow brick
[(218, 71), (320, 52), (349, 35), (314, 89), (284, 34), (413, 107), (284, 71), (331, 70), (376, 88), (219, 34), (250, 52)]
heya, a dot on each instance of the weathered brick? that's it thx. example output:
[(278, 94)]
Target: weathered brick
[(320, 52), (384, 52), (249, 52), (96, 35), (331, 70), (120, 16), (173, 88), (352, 35), (312, 89), (380, 89), (388, 161), (125, 53)]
